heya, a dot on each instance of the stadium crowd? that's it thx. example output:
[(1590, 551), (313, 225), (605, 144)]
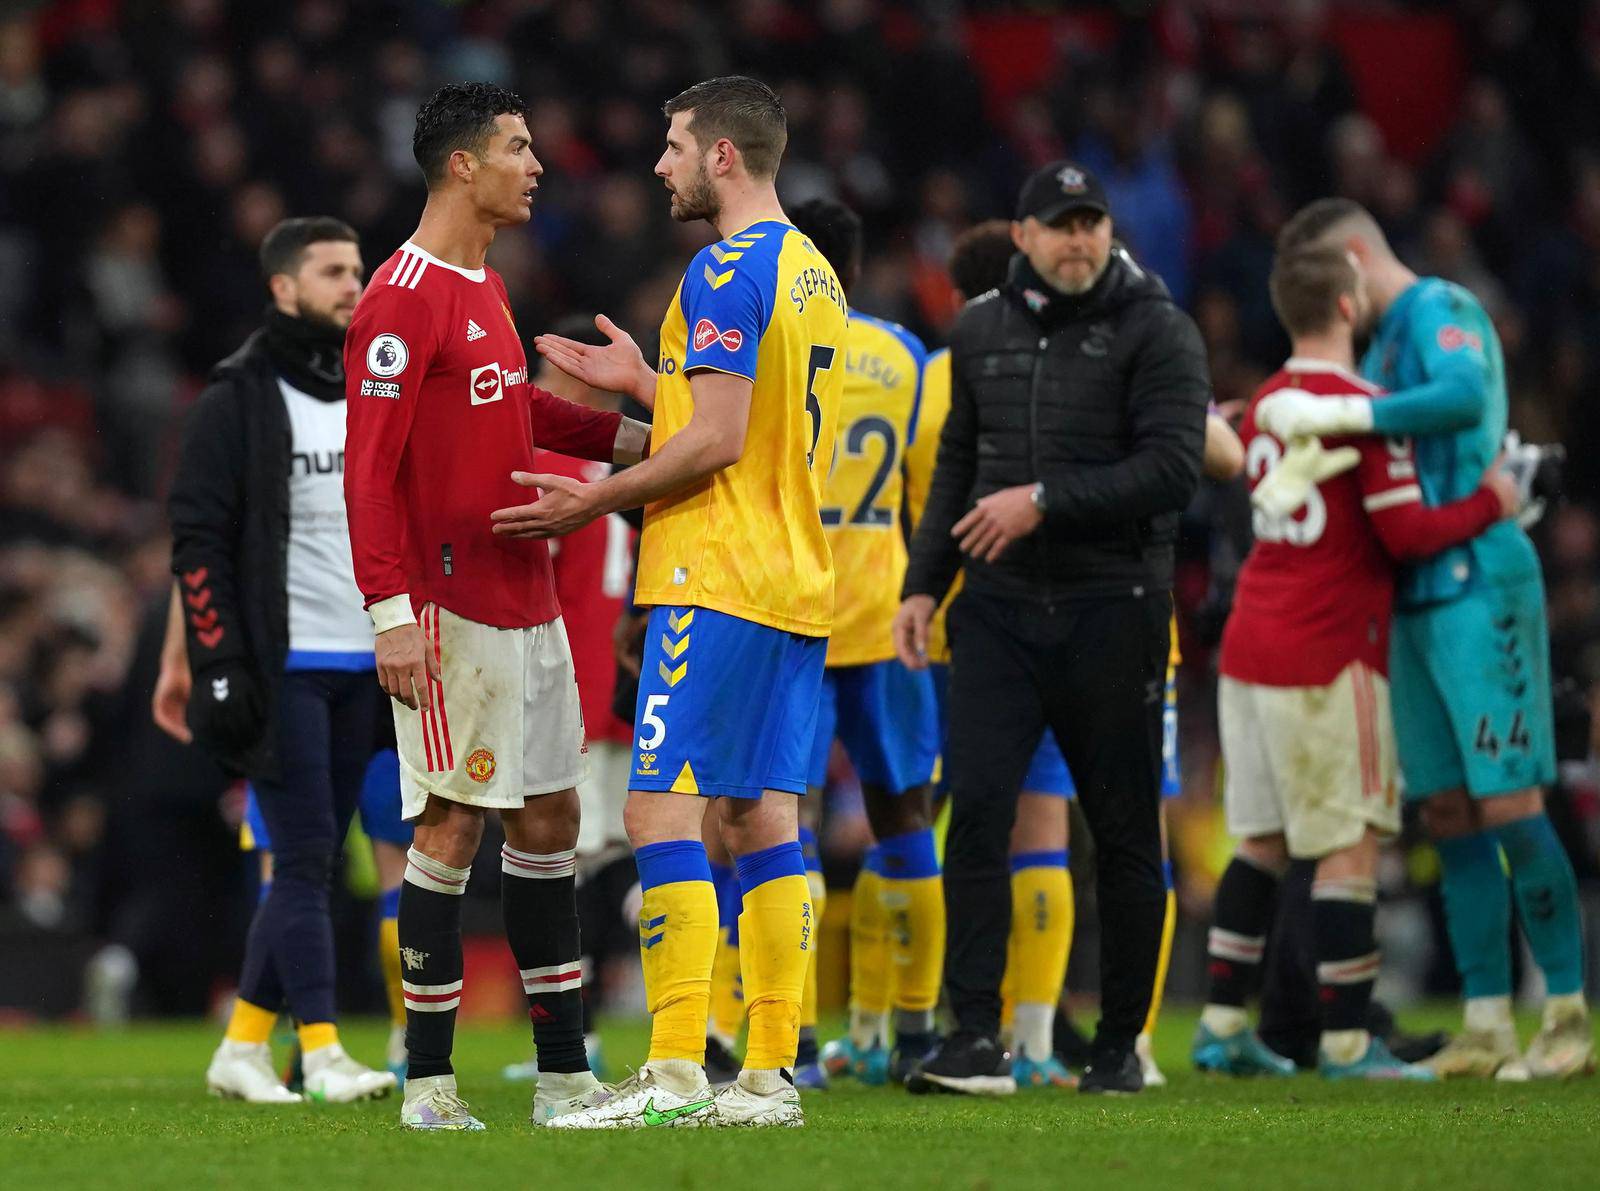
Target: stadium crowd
[(145, 150)]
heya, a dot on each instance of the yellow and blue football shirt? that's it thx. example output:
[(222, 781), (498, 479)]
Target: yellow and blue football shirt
[(921, 455), (737, 566), (865, 489), (748, 541)]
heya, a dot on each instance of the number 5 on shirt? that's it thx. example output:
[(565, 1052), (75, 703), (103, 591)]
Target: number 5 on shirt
[(821, 360)]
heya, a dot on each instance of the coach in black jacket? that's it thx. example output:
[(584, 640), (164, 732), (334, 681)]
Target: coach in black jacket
[(1074, 440)]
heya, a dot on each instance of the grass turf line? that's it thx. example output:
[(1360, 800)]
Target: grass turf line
[(129, 1109)]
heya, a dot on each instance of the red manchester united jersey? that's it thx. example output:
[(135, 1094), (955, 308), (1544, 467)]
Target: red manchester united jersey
[(1316, 592), (594, 573), (440, 413)]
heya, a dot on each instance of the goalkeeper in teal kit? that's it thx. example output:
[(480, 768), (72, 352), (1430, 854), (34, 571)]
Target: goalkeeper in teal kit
[(1469, 659)]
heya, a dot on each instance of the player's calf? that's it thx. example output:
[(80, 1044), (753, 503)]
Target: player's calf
[(430, 956), (539, 900)]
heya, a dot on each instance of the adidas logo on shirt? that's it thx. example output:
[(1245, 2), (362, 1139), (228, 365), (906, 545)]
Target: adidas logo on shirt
[(474, 332)]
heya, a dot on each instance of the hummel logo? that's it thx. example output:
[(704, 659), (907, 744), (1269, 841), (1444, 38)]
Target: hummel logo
[(413, 958), (474, 332), (219, 689), (654, 1116)]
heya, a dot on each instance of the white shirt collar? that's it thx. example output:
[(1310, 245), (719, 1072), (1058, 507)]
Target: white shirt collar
[(470, 274), (1307, 364)]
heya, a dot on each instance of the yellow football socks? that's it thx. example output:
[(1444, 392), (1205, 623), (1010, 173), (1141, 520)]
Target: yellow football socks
[(1041, 932), (871, 966), (777, 936), (727, 991), (678, 945), (250, 1023), (727, 984), (819, 903), (389, 957), (912, 895), (314, 1035), (1167, 929)]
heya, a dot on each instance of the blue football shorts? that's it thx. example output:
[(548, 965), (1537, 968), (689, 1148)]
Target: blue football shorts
[(887, 719), (727, 707)]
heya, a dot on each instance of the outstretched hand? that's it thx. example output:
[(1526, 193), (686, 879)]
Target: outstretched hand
[(1306, 463), (619, 366), (564, 506)]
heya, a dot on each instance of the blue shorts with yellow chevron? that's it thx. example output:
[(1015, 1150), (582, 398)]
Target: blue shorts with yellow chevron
[(727, 707)]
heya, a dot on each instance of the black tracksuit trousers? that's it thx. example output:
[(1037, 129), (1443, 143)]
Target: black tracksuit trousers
[(1092, 671)]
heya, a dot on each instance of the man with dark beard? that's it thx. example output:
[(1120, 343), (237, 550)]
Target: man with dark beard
[(734, 562), (278, 643)]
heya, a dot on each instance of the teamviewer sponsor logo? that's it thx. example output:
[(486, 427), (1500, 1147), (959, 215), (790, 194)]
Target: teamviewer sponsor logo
[(485, 384)]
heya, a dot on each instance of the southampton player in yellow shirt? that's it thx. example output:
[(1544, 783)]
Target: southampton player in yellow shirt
[(1041, 882), (883, 713), (735, 565)]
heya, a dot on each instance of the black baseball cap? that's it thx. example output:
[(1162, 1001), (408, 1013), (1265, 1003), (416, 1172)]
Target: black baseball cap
[(1060, 187)]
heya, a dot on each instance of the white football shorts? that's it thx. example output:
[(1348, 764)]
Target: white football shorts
[(505, 724), (602, 797), (1315, 763)]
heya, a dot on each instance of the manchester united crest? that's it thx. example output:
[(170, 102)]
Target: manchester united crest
[(480, 765)]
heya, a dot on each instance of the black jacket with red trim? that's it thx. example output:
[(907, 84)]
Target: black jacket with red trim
[(229, 509)]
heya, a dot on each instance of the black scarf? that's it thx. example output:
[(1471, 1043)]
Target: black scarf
[(1048, 304), (309, 355)]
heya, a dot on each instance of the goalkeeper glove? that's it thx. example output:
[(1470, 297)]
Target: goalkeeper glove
[(1295, 413), (1537, 470), (1304, 465), (225, 709)]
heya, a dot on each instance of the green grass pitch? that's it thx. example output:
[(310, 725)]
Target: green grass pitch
[(128, 1109)]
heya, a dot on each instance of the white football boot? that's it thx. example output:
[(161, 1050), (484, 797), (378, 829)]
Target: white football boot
[(333, 1077), (431, 1103), (737, 1106), (640, 1102), (563, 1095), (243, 1071), (1564, 1045), (1481, 1054), (1147, 1063)]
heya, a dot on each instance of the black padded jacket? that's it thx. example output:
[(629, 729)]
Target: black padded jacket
[(1103, 398)]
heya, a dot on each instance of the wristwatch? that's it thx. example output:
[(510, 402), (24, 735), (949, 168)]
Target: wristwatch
[(1037, 496)]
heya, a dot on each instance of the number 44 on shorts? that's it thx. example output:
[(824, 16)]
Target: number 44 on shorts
[(1489, 744)]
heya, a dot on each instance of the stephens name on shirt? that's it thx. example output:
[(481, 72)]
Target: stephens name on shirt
[(812, 282)]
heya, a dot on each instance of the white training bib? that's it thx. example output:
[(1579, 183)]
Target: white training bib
[(328, 627)]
